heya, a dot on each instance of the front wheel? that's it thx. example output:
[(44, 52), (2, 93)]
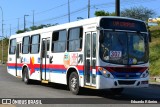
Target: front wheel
[(74, 83)]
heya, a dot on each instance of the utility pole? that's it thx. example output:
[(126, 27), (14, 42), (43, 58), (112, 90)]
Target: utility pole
[(25, 22), (10, 30), (18, 24), (88, 8), (2, 34), (33, 17), (69, 12), (117, 8)]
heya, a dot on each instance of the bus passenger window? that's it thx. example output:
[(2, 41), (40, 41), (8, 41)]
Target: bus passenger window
[(75, 39), (35, 39), (25, 45), (59, 39), (12, 46)]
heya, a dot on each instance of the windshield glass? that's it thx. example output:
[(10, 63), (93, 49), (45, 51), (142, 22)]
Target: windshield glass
[(124, 48)]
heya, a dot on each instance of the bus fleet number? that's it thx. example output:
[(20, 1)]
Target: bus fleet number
[(115, 54)]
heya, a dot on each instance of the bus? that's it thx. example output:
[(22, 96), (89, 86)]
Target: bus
[(97, 53)]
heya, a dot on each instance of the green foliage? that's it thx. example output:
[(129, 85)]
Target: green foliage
[(36, 27), (103, 13), (155, 31), (158, 22), (155, 57), (141, 13), (5, 49), (22, 31)]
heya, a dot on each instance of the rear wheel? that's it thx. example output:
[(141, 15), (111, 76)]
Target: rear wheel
[(74, 83), (26, 76)]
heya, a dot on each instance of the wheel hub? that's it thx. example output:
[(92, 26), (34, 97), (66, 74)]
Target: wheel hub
[(73, 83)]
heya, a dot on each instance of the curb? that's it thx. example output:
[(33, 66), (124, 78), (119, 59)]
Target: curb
[(154, 84)]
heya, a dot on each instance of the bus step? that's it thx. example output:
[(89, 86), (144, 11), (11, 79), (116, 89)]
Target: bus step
[(91, 87), (45, 81), (18, 76)]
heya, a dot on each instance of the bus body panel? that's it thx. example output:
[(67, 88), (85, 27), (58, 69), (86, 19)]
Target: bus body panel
[(55, 66)]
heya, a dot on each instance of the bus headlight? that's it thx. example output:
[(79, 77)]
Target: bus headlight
[(144, 74), (105, 73)]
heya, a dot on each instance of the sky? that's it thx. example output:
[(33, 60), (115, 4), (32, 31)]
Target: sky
[(56, 11)]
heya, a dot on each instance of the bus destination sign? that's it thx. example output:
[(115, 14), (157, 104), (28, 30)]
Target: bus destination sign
[(123, 24)]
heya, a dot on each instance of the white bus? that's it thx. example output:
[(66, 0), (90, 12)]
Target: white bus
[(97, 53)]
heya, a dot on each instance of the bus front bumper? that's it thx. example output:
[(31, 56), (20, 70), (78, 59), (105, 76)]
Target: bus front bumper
[(106, 83)]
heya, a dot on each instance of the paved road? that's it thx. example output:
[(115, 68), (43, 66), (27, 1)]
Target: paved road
[(11, 87)]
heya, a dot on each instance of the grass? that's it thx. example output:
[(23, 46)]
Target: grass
[(5, 50), (154, 47), (155, 59), (155, 31)]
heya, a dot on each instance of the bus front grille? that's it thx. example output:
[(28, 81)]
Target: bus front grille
[(123, 82)]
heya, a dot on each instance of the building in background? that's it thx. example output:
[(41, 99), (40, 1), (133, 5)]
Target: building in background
[(153, 21)]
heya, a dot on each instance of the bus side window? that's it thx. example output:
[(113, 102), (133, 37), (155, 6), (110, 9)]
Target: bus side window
[(59, 39), (12, 47), (35, 42), (25, 45), (75, 36)]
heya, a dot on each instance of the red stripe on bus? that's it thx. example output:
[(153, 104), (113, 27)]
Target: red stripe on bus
[(79, 67)]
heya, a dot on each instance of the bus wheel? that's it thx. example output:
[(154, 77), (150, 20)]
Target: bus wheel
[(26, 76), (74, 83), (116, 91)]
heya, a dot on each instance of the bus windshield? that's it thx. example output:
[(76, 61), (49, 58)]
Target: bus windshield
[(124, 48)]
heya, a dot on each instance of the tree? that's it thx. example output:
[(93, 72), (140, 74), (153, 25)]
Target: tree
[(36, 27), (158, 22), (141, 13), (103, 13), (22, 31)]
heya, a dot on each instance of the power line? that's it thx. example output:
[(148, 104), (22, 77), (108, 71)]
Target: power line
[(45, 11), (54, 18), (61, 16), (54, 8), (104, 4), (110, 4)]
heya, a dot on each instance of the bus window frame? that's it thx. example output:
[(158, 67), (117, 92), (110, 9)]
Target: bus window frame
[(80, 39), (35, 44), (26, 45), (52, 47), (12, 46)]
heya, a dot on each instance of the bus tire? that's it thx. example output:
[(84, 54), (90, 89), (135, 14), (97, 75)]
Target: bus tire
[(116, 91), (26, 76), (74, 83)]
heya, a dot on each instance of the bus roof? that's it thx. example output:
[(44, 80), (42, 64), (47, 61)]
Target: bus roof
[(94, 20)]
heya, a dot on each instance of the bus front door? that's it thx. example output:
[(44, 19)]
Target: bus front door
[(44, 66), (90, 59), (18, 60)]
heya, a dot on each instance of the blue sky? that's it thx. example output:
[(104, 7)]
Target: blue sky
[(55, 11)]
